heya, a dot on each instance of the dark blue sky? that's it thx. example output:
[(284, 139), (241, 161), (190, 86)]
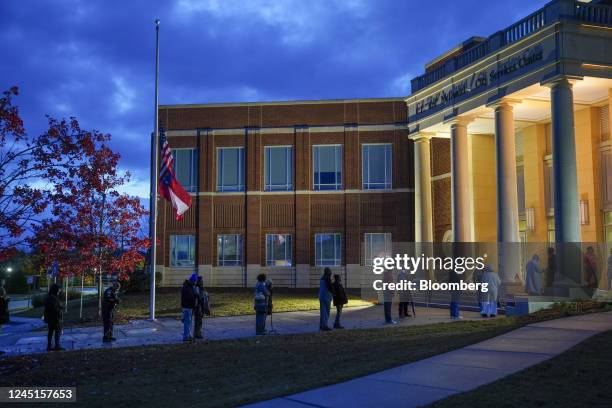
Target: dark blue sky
[(94, 59)]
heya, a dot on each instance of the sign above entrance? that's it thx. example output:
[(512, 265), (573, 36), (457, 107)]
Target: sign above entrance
[(480, 80)]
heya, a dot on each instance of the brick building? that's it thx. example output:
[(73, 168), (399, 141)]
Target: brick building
[(286, 188)]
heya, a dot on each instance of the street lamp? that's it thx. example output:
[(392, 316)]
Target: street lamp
[(9, 269)]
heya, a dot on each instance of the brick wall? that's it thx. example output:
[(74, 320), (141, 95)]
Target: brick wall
[(301, 214)]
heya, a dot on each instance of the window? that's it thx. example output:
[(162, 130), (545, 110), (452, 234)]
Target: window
[(229, 250), (376, 244), (328, 249), (278, 250), (186, 168), (278, 168), (327, 166), (376, 166), (182, 250), (230, 169)]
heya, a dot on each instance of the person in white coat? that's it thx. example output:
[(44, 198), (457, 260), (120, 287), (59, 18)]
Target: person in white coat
[(533, 276), (489, 304)]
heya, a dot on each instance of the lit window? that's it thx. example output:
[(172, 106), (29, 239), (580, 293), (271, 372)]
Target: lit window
[(376, 166), (182, 250), (278, 168), (376, 244), (186, 168), (328, 249), (278, 250), (229, 250), (327, 167), (230, 169)]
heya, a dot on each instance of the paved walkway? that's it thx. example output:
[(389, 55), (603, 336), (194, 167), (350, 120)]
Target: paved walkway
[(432, 379), (24, 336)]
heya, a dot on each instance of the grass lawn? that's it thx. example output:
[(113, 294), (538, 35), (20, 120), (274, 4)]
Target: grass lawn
[(233, 372), (580, 377), (224, 302)]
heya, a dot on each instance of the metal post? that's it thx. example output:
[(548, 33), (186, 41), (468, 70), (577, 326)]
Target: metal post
[(154, 168)]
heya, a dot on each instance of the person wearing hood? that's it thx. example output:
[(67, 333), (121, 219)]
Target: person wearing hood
[(188, 303), (489, 304), (53, 317), (533, 276)]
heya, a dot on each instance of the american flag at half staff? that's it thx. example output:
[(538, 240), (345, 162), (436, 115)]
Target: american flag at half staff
[(168, 186)]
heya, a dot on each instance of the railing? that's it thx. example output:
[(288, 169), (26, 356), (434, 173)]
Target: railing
[(594, 13), (554, 11), (525, 27)]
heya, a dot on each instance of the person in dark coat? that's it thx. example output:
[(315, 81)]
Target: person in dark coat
[(53, 317), (340, 300), (188, 303), (198, 312), (551, 270), (110, 300), (4, 302)]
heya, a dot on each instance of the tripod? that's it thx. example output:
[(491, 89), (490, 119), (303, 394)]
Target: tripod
[(272, 329)]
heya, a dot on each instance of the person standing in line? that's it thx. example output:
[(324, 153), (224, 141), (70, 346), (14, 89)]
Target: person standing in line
[(198, 311), (478, 277), (188, 302), (340, 300), (455, 297), (260, 304), (590, 267), (110, 300), (490, 300), (325, 299), (533, 279), (4, 302), (388, 297), (551, 270), (404, 295), (53, 317)]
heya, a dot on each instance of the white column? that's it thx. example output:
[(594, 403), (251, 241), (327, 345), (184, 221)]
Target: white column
[(423, 218), (462, 217), (507, 196), (567, 221)]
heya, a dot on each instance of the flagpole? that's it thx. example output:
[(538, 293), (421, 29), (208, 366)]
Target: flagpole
[(154, 168)]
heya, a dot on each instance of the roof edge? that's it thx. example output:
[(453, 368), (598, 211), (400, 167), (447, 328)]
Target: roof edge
[(288, 102)]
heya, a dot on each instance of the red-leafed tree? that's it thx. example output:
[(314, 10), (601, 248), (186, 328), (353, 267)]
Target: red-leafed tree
[(29, 168), (95, 229)]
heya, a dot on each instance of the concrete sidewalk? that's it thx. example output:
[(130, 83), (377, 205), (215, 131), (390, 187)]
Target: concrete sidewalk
[(24, 336), (432, 379)]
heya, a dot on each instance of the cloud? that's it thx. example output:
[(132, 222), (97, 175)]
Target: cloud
[(123, 97), (299, 22)]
